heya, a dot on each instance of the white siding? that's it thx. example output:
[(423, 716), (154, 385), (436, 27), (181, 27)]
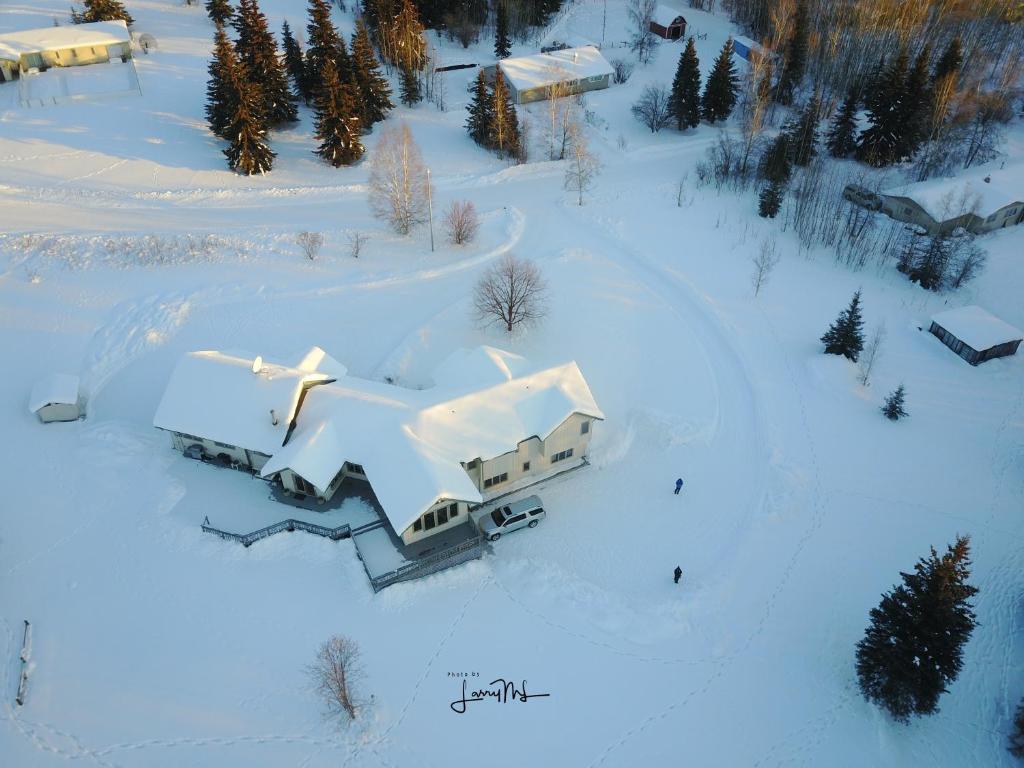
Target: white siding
[(409, 535), (58, 412)]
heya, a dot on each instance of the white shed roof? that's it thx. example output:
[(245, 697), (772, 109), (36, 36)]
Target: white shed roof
[(216, 395), (944, 198), (58, 388), (14, 44), (977, 328), (665, 15), (411, 443), (542, 69)]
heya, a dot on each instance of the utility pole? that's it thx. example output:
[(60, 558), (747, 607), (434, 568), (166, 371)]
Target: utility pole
[(430, 212), (604, 20)]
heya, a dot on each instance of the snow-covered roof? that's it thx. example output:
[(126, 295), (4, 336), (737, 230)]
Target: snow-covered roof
[(412, 443), (944, 199), (543, 69), (14, 44), (664, 15), (58, 388), (217, 396), (977, 328)]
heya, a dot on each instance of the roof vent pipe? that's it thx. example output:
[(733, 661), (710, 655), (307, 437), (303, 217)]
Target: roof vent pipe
[(273, 417)]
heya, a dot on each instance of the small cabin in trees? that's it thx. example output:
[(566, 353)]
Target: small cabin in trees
[(746, 49), (564, 72), (68, 46), (56, 398), (667, 23), (980, 201), (975, 334)]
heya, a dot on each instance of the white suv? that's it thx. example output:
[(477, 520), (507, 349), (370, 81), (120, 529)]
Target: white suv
[(510, 517)]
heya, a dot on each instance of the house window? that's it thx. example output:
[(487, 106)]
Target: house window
[(487, 483), (428, 520), (561, 455), (526, 466), (357, 468), (442, 516), (497, 479), (453, 509), (472, 464), (418, 525), (584, 427), (223, 445)]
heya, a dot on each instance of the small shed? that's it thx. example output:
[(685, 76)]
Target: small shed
[(975, 335), (56, 398), (667, 23)]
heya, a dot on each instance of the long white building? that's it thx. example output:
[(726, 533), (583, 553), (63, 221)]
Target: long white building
[(491, 422)]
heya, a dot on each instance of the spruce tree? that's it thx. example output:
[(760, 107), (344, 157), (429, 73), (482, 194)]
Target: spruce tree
[(101, 10), (795, 60), (403, 38), (220, 11), (248, 152), (504, 132), (257, 52), (803, 133), (374, 91), (481, 111), (776, 163), (913, 648), (846, 335), (221, 96), (323, 43), (770, 200), (294, 64), (893, 408), (502, 45), (950, 61), (841, 140), (1016, 746), (914, 108), (409, 90), (337, 119), (684, 100), (879, 144), (721, 88)]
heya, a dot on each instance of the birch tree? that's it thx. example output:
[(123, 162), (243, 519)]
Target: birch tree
[(398, 183)]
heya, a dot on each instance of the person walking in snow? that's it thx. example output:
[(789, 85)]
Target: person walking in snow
[(678, 573), (679, 485)]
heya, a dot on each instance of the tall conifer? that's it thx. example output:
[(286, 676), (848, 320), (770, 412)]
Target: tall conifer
[(322, 43), (502, 44), (219, 11), (101, 10), (795, 60), (248, 152), (841, 139), (721, 88), (846, 335), (374, 91), (481, 111), (337, 120), (684, 100), (220, 88), (504, 133), (294, 64), (257, 51)]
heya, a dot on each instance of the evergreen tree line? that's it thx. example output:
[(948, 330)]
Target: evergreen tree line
[(249, 92), (101, 10), (492, 121)]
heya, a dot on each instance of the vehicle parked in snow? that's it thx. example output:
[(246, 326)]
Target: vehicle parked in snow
[(862, 196), (511, 517)]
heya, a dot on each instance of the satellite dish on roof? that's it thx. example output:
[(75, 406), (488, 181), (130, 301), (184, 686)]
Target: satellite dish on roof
[(257, 364)]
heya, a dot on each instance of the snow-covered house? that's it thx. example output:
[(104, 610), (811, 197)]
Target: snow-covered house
[(746, 49), (56, 398), (574, 70), (979, 201), (976, 335), (66, 46), (490, 423), (667, 23)]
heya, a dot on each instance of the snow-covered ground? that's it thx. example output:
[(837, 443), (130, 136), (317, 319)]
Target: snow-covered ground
[(156, 644)]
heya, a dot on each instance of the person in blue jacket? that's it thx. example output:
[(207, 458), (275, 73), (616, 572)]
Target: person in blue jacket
[(679, 485)]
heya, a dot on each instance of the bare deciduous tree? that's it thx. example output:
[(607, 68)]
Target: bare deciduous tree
[(310, 243), (867, 359), (398, 180), (511, 292), (461, 222), (583, 166), (356, 241), (651, 108), (764, 262), (334, 673), (621, 70), (641, 39), (563, 115)]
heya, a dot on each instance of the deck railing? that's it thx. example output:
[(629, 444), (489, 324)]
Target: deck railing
[(470, 549), (246, 539)]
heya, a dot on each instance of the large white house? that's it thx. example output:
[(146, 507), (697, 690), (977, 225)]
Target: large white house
[(491, 423), (67, 46)]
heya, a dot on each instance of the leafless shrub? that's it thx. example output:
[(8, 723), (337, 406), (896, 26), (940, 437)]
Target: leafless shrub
[(335, 672), (764, 262), (583, 166), (461, 222), (398, 181), (356, 241), (651, 108), (868, 357), (621, 70), (966, 262), (310, 243), (511, 292)]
